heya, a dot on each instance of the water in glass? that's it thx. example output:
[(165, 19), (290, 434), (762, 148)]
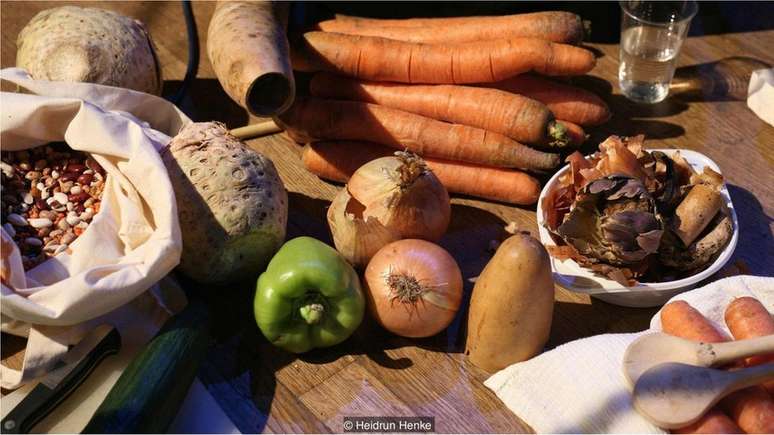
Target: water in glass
[(647, 64)]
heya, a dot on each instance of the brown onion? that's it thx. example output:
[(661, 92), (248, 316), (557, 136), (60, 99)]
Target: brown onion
[(403, 195), (414, 288)]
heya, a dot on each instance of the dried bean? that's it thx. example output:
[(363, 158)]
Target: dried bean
[(67, 238), (33, 241), (78, 198), (40, 223)]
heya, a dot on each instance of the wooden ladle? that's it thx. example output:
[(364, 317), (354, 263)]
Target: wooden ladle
[(653, 349), (673, 395)]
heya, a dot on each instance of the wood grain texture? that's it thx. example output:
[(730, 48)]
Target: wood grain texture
[(264, 389)]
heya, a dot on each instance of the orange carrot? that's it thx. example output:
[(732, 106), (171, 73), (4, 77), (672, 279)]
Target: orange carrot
[(338, 160), (381, 59), (574, 132), (520, 118), (747, 318), (311, 119), (680, 319), (567, 102), (752, 409), (563, 27), (714, 421)]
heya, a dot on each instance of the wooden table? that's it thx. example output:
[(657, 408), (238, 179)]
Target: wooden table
[(375, 373)]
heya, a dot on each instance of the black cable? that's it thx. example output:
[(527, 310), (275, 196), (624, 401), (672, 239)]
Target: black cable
[(193, 53)]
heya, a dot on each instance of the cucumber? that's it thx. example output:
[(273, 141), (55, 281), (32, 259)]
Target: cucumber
[(148, 395)]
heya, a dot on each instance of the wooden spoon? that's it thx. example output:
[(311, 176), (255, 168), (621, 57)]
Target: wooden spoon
[(653, 349), (673, 395)]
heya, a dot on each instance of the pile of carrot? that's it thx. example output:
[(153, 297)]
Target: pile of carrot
[(467, 94), (750, 410)]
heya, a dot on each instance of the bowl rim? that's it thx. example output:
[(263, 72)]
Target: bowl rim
[(695, 159)]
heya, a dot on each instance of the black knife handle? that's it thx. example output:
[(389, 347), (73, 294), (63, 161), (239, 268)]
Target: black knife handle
[(42, 400)]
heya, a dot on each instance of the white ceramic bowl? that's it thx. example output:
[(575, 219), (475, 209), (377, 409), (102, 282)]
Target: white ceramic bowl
[(573, 277)]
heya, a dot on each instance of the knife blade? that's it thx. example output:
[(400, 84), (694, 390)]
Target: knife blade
[(60, 383)]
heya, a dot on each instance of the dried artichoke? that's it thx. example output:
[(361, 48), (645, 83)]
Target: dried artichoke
[(613, 220)]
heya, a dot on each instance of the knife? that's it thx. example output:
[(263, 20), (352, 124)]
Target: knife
[(58, 384)]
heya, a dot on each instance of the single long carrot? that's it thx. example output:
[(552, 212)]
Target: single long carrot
[(562, 27), (751, 408), (714, 421), (680, 319), (337, 161), (520, 118), (746, 317), (381, 59), (313, 119), (567, 102)]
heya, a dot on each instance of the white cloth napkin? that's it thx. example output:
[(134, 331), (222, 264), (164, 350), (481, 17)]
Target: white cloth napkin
[(579, 387), (760, 94)]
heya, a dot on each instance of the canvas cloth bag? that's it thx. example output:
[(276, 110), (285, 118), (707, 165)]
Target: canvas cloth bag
[(133, 241)]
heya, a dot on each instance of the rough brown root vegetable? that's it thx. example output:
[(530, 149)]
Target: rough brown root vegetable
[(249, 52), (313, 119), (381, 59), (231, 204), (75, 44), (562, 27), (567, 102), (512, 305), (520, 118), (336, 161)]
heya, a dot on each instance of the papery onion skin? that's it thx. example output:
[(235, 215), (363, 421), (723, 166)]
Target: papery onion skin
[(433, 269), (404, 195), (355, 237)]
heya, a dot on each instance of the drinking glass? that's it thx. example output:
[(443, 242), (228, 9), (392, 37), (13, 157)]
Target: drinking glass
[(652, 33)]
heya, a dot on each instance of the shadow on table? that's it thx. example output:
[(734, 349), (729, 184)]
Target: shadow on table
[(756, 242), (629, 118), (573, 321), (205, 100), (723, 80)]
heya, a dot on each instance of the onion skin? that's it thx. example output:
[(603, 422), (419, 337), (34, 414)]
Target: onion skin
[(433, 268), (403, 195)]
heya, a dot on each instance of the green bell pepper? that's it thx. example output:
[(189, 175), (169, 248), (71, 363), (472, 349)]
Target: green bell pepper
[(308, 297)]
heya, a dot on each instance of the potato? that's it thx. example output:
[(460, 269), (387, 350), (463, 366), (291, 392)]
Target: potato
[(232, 205), (512, 305), (92, 45)]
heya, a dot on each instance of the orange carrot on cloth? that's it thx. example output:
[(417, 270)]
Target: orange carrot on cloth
[(752, 409), (746, 317)]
